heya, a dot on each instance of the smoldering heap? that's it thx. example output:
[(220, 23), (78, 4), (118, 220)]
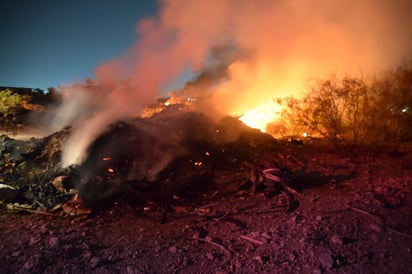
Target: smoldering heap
[(134, 161)]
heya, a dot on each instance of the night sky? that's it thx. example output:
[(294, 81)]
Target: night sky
[(46, 43)]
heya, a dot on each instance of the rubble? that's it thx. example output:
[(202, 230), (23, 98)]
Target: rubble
[(132, 163)]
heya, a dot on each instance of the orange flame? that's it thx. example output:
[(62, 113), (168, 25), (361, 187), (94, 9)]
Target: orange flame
[(262, 115)]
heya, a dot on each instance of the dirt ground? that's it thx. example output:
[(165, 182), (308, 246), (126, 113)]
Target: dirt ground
[(352, 214)]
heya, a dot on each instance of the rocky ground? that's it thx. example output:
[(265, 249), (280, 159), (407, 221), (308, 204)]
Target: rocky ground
[(351, 213)]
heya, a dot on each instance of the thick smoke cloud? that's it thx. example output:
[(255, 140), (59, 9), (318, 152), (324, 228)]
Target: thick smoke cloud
[(288, 43)]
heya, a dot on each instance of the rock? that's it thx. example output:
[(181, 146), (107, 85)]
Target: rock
[(94, 262), (173, 249), (28, 265), (266, 236), (258, 258), (326, 260), (336, 239), (43, 229), (53, 242), (210, 256), (131, 269), (376, 228), (374, 237), (34, 240)]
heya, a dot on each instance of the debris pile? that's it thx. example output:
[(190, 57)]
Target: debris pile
[(27, 171), (138, 161)]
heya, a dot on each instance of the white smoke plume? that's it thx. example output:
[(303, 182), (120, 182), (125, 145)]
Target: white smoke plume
[(290, 42)]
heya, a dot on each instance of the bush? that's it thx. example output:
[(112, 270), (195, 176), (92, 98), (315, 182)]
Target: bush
[(391, 118), (351, 111), (10, 107)]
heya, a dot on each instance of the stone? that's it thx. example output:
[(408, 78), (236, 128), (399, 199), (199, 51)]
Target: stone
[(94, 262), (266, 236), (326, 260), (173, 249), (131, 270), (376, 228), (28, 265), (336, 239), (34, 240), (374, 237), (53, 242), (210, 256)]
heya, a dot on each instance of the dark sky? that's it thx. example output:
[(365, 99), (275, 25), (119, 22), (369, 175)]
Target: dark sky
[(46, 43)]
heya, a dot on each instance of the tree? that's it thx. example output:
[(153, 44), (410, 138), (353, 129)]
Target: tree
[(350, 110), (322, 110), (390, 111), (10, 106), (357, 107)]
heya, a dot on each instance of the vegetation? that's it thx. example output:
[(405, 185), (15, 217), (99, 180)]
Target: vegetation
[(24, 106), (352, 111), (11, 105)]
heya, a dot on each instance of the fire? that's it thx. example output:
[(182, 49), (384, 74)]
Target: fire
[(260, 116), (253, 91)]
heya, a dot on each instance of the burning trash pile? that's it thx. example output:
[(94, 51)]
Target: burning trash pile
[(236, 70), (154, 159)]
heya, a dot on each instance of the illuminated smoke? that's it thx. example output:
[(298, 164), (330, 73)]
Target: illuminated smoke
[(293, 42), (288, 43)]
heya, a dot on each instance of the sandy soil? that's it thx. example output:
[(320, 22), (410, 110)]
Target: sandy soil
[(353, 214)]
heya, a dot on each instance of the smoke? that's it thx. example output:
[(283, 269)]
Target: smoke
[(293, 42), (287, 43)]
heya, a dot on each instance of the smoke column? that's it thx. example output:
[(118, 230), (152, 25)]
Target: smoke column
[(289, 43)]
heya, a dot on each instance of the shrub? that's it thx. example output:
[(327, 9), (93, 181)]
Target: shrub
[(351, 111), (10, 106)]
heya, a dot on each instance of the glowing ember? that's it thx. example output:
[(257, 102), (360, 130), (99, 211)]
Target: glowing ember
[(111, 170), (262, 115)]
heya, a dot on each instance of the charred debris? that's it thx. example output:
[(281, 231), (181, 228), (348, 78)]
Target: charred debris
[(157, 160)]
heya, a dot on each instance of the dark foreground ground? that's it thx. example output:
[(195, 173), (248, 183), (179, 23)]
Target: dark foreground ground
[(353, 214)]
